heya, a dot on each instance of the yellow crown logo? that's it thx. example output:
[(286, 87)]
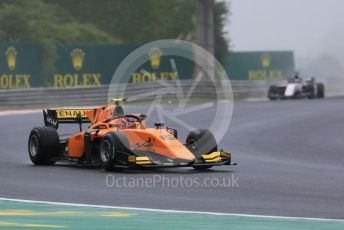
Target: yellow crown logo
[(155, 57), (77, 58), (11, 54), (266, 60)]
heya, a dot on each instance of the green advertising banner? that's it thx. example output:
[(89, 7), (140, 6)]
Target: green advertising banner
[(275, 65), (80, 65), (20, 66), (87, 65), (92, 65), (83, 65)]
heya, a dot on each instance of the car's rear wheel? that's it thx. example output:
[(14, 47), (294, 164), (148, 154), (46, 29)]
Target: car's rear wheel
[(201, 142), (309, 89), (320, 90), (106, 151), (113, 147), (43, 145)]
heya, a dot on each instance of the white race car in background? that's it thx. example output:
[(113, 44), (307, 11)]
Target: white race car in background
[(296, 88)]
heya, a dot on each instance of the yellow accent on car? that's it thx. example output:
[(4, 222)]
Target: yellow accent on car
[(72, 113), (211, 155), (132, 158), (216, 157), (226, 155), (140, 160), (117, 99), (143, 162)]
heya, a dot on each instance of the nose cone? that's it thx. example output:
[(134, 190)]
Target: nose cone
[(162, 143), (166, 145), (183, 153)]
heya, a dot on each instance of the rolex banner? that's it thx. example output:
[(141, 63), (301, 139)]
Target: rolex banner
[(269, 65), (93, 65), (83, 65), (21, 66), (87, 65)]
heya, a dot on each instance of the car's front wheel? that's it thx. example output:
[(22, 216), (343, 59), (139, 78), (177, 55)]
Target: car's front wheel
[(113, 147), (200, 142)]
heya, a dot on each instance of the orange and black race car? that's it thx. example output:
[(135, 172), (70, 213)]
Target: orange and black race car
[(118, 141)]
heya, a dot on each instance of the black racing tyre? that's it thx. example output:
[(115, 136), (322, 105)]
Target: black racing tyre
[(113, 147), (200, 142), (297, 95), (273, 90), (309, 89), (43, 145), (320, 90)]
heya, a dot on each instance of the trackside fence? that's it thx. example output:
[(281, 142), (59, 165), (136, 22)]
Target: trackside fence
[(56, 97)]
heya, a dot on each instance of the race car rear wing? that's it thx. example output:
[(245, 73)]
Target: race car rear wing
[(52, 118)]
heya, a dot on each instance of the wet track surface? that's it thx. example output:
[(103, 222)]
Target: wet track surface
[(290, 155)]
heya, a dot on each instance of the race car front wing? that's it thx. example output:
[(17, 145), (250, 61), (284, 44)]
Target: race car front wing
[(217, 158)]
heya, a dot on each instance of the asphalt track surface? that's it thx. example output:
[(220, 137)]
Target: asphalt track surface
[(290, 156)]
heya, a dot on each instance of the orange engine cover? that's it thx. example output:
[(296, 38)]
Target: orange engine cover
[(76, 145)]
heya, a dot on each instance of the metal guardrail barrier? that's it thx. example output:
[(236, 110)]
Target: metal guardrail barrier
[(56, 97)]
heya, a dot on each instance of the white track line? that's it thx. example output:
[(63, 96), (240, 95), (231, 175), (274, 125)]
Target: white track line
[(15, 112), (168, 211)]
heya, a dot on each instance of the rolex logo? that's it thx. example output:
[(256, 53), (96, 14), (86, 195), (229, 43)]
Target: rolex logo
[(266, 60), (11, 54), (155, 57), (77, 58)]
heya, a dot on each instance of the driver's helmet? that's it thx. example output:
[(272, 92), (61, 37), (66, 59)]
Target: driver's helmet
[(118, 111), (297, 79), (112, 111)]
